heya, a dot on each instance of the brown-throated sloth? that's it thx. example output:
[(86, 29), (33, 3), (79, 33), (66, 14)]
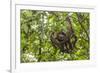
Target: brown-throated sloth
[(65, 41)]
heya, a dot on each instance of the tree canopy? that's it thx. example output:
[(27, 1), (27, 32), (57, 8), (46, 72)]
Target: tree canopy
[(36, 27)]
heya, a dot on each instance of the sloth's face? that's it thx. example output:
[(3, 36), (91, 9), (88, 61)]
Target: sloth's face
[(61, 37)]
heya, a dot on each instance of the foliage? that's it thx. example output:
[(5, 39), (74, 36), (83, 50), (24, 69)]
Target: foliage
[(36, 27)]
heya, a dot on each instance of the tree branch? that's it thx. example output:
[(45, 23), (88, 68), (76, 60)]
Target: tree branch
[(80, 22)]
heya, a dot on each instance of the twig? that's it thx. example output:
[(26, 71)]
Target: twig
[(80, 22)]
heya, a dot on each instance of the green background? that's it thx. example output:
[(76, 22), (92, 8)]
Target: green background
[(36, 27)]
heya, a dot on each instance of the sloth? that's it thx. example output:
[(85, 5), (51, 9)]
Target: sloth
[(62, 41), (65, 41)]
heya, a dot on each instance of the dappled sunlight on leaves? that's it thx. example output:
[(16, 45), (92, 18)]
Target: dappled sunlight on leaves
[(36, 28)]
